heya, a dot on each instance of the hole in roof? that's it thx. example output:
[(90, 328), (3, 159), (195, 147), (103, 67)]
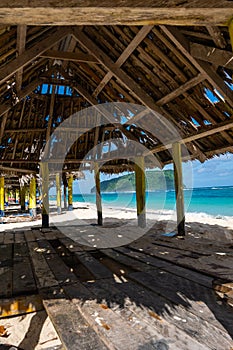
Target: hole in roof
[(206, 122), (211, 96), (195, 122)]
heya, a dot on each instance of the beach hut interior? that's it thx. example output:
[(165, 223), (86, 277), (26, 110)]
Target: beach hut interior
[(112, 87)]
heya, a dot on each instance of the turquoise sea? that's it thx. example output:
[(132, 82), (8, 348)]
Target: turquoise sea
[(210, 200)]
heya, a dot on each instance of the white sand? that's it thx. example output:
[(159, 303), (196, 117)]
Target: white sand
[(31, 331)]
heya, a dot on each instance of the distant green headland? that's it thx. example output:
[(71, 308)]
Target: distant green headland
[(155, 180)]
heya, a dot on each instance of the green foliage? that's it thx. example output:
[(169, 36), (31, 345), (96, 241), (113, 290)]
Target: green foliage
[(155, 180)]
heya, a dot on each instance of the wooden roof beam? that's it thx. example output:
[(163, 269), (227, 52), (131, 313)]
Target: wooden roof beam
[(181, 89), (69, 56), (107, 12), (217, 37), (120, 75), (17, 170), (52, 37), (3, 125), (226, 125), (20, 47), (139, 37), (209, 54), (205, 68)]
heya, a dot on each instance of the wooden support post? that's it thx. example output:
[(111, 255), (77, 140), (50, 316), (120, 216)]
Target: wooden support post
[(177, 159), (65, 195), (98, 195), (231, 33), (140, 190), (22, 197), (2, 181), (58, 191), (17, 196), (6, 195), (26, 198), (70, 192), (32, 197), (45, 194)]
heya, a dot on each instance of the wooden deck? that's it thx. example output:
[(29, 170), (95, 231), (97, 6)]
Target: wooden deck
[(155, 293)]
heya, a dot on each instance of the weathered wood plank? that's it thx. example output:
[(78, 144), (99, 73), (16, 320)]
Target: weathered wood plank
[(61, 271), (180, 90), (205, 307), (6, 270), (72, 328), (112, 329), (9, 237), (93, 265), (141, 312), (23, 278), (216, 56), (44, 276), (143, 263), (212, 265), (121, 12)]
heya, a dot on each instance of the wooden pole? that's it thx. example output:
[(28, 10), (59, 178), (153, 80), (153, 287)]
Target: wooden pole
[(98, 195), (32, 197), (17, 196), (70, 192), (26, 198), (2, 182), (22, 197), (45, 194), (140, 190), (6, 195), (231, 32), (65, 194), (58, 190), (177, 159), (64, 180)]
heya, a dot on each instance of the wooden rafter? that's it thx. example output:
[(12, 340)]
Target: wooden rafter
[(180, 41), (128, 82), (124, 56), (21, 41), (69, 56), (209, 54), (180, 90), (35, 51), (99, 12), (17, 170), (217, 36), (199, 135)]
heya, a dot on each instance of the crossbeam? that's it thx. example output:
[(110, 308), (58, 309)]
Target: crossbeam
[(107, 12)]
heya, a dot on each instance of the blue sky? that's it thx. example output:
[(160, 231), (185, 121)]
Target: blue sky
[(217, 171)]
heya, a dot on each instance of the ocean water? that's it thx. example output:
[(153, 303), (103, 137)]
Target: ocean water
[(209, 200)]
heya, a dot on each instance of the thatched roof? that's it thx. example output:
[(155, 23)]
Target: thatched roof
[(48, 73)]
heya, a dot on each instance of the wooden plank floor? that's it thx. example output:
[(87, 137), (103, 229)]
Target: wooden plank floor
[(155, 293)]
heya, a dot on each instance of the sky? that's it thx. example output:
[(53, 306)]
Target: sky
[(217, 171)]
